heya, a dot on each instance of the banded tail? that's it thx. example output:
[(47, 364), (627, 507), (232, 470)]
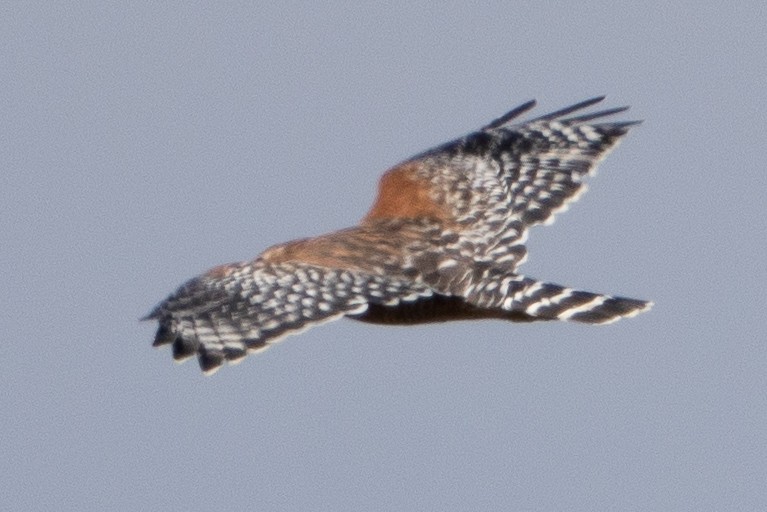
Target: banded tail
[(546, 301)]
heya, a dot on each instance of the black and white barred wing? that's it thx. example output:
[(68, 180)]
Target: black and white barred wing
[(544, 161), (508, 176), (540, 164), (234, 310)]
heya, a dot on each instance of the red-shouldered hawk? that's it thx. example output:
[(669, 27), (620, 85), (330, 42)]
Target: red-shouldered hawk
[(442, 242)]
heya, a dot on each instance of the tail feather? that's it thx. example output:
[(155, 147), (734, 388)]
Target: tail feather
[(548, 301)]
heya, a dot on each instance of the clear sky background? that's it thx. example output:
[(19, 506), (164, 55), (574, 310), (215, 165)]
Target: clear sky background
[(141, 145)]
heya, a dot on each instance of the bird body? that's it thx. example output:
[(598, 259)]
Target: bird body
[(442, 241)]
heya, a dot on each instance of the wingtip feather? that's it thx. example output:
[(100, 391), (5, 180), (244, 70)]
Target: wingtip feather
[(510, 115)]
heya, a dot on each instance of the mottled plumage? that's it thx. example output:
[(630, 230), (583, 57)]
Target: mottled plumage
[(442, 242)]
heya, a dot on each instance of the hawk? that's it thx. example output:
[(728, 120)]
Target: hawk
[(443, 241)]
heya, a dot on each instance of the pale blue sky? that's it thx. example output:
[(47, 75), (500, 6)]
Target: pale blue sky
[(141, 145)]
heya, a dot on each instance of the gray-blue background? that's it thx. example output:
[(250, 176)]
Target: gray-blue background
[(141, 145)]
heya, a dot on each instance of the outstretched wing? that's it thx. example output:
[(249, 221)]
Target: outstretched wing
[(557, 153), (238, 309), (509, 175)]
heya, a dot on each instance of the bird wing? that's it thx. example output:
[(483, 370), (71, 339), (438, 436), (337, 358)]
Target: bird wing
[(243, 308), (510, 175)]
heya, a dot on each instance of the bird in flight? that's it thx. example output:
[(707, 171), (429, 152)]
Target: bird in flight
[(443, 241)]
